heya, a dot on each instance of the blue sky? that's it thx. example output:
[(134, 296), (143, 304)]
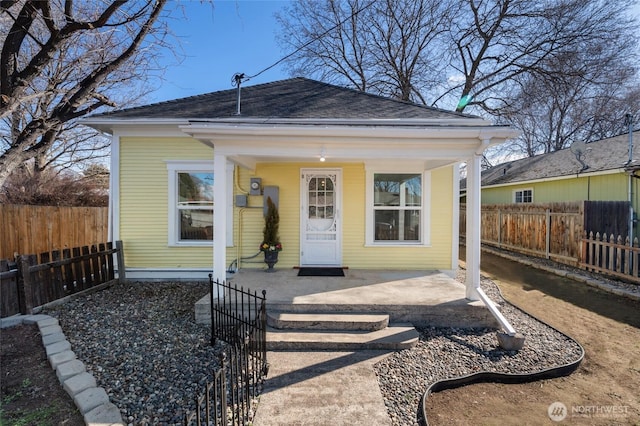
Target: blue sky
[(218, 41)]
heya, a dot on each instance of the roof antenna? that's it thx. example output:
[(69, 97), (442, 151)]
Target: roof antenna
[(628, 121), (236, 80)]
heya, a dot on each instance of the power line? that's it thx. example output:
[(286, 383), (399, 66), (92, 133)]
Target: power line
[(243, 78)]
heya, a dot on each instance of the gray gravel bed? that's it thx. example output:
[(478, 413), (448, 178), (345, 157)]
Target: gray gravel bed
[(141, 343), (444, 353)]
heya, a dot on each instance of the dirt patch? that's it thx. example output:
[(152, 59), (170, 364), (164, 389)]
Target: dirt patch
[(602, 391), (31, 393)]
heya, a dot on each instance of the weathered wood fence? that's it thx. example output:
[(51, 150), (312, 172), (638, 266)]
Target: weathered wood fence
[(553, 231), (611, 256), (34, 281), (558, 231), (36, 229)]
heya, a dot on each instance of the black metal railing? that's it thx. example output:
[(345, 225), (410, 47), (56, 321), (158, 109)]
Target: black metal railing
[(239, 318), (211, 406)]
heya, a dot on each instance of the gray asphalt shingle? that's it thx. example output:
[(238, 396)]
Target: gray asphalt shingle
[(606, 154), (295, 98)]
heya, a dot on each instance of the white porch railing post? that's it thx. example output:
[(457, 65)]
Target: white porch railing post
[(473, 228), (219, 220)]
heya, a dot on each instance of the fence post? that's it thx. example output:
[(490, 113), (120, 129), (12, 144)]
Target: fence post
[(627, 256), (548, 234), (27, 281), (499, 228), (223, 390), (612, 252), (120, 260), (636, 258), (584, 246)]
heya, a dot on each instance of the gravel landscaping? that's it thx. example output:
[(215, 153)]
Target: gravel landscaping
[(142, 345), (444, 353)]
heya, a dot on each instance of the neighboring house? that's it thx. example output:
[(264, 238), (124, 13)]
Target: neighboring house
[(596, 171), (360, 180)]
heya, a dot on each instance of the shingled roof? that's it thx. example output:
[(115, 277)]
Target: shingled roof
[(296, 98), (605, 154)]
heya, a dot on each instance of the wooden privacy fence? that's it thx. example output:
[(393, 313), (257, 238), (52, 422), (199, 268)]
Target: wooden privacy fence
[(553, 231), (36, 229), (37, 280), (611, 255)]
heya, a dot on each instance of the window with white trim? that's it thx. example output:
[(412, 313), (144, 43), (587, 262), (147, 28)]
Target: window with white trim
[(397, 208), (190, 202), (523, 196)]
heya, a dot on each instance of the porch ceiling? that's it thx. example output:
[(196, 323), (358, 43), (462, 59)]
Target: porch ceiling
[(435, 146)]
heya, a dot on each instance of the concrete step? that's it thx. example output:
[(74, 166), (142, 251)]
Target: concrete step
[(327, 321), (394, 337)]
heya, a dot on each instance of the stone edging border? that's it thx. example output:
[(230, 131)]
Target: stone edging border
[(92, 401)]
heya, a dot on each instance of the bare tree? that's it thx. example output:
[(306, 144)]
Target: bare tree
[(52, 188), (584, 96), (63, 60), (503, 57), (387, 47), (497, 41)]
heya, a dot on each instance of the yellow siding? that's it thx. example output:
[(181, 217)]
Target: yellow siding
[(354, 253), (436, 256), (143, 202), (143, 213)]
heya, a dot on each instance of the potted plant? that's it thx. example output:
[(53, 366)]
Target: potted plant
[(271, 244)]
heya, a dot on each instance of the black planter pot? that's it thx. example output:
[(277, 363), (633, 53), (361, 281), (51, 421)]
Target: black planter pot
[(270, 258)]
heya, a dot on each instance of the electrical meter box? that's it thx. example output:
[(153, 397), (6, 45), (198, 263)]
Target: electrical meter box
[(255, 187), (273, 193)]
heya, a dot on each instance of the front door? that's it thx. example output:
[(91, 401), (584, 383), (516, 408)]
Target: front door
[(320, 234)]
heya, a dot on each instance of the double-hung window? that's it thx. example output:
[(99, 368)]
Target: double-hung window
[(523, 196), (398, 208), (191, 203)]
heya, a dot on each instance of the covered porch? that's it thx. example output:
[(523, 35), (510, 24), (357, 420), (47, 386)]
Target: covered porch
[(417, 297)]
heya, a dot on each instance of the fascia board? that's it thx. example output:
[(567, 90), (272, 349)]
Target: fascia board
[(135, 127), (496, 134), (380, 122)]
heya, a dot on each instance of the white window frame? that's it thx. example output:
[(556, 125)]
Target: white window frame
[(522, 191), (175, 167), (425, 225)]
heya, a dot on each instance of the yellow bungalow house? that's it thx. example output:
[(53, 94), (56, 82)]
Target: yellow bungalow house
[(359, 180)]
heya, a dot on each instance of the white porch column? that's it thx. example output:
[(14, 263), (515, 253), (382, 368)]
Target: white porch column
[(220, 188), (473, 227)]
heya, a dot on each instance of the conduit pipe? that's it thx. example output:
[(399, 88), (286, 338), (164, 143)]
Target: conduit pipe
[(506, 325)]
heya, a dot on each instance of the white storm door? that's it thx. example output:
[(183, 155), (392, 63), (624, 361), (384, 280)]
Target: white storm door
[(320, 234)]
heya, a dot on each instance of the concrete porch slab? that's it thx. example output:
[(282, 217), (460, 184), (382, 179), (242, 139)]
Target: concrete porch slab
[(418, 297)]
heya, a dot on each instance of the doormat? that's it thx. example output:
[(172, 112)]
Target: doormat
[(321, 272)]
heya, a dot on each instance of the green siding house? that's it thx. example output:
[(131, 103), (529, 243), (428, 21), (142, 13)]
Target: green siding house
[(603, 170)]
